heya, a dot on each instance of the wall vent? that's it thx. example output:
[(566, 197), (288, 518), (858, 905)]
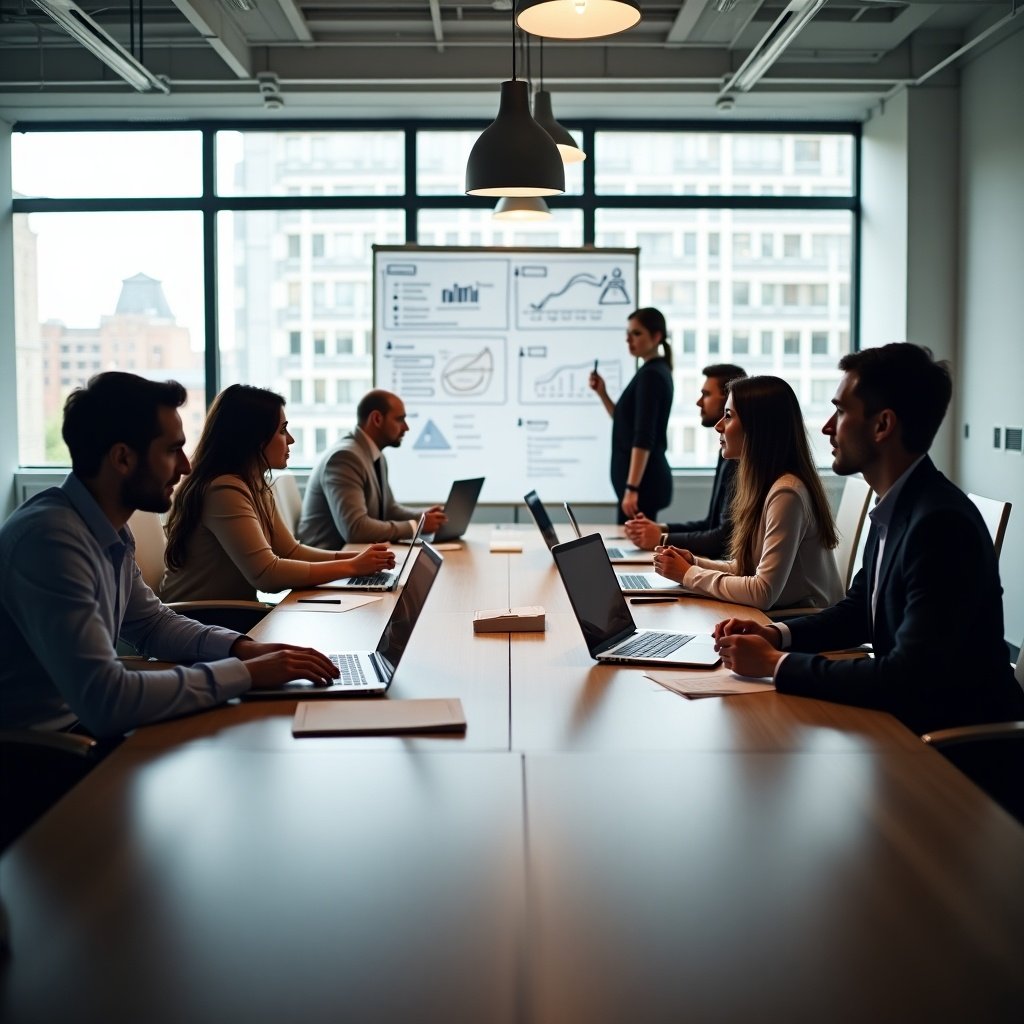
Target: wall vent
[(1014, 437)]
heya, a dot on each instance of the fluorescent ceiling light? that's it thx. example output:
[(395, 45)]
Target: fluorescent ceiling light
[(101, 44), (784, 29)]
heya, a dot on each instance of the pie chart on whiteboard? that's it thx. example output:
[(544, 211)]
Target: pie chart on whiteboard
[(467, 376)]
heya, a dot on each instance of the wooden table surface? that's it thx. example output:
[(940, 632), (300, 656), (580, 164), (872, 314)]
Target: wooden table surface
[(595, 848)]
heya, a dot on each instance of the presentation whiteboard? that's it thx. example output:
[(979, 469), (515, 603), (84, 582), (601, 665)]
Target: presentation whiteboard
[(491, 349)]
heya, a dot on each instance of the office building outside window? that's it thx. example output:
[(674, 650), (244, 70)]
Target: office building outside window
[(768, 285)]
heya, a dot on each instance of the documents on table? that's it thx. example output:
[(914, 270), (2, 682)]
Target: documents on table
[(720, 682), (321, 601), (388, 717)]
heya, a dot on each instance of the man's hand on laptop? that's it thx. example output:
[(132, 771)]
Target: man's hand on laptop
[(643, 532), (273, 665), (374, 558), (748, 648), (434, 519)]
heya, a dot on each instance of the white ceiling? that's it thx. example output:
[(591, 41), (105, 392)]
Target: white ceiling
[(441, 58)]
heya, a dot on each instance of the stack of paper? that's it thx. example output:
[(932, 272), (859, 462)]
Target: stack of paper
[(718, 683)]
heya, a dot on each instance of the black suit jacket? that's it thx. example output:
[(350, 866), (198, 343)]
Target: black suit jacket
[(940, 657), (709, 537)]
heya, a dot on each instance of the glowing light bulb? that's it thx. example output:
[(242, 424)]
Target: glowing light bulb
[(581, 6)]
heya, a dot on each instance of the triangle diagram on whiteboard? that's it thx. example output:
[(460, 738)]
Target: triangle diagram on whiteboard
[(431, 438)]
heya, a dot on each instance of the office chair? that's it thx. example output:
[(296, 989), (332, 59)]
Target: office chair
[(36, 769), (150, 541), (996, 514), (991, 755), (287, 498)]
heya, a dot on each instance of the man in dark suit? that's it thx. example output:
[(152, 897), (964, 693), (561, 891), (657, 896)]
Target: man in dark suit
[(709, 536), (348, 497), (928, 596)]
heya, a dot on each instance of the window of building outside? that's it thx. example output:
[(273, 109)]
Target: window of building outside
[(97, 289)]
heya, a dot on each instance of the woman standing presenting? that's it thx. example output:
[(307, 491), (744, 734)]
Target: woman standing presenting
[(225, 536), (639, 471)]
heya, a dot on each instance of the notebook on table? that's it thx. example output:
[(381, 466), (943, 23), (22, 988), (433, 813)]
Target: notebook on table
[(459, 509), (608, 628), (371, 672), (386, 579)]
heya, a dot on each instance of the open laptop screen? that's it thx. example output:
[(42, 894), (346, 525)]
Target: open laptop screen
[(593, 590), (395, 637), (541, 518)]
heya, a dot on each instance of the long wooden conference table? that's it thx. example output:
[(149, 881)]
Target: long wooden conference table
[(594, 848)]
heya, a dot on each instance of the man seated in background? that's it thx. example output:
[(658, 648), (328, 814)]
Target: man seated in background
[(927, 598), (71, 588), (348, 497), (708, 537)]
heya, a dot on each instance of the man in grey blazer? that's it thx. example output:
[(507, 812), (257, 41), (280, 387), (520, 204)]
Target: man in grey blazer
[(348, 498)]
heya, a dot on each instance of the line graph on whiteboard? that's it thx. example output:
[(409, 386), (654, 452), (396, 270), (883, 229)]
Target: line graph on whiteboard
[(582, 298)]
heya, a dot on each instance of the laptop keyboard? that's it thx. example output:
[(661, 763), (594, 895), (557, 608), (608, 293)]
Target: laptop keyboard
[(351, 669), (634, 581), (615, 553), (653, 645), (377, 579)]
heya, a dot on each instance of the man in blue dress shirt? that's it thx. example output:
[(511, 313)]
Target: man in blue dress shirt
[(71, 588)]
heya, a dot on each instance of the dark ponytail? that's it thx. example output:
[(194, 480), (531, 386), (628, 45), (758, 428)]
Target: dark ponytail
[(654, 321)]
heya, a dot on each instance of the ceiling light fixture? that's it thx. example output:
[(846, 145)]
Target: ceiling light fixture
[(577, 19), (101, 44), (794, 17), (514, 156), (545, 117), (521, 208)]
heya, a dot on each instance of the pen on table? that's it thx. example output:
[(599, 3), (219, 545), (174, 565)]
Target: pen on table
[(319, 600), (652, 600)]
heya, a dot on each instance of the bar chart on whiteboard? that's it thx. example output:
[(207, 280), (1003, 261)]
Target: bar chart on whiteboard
[(491, 350)]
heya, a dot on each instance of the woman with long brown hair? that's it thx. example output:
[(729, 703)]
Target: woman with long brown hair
[(783, 532), (225, 536)]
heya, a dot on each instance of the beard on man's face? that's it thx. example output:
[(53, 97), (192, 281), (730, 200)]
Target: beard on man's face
[(144, 492)]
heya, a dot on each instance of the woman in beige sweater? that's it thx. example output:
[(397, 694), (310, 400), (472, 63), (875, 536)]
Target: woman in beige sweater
[(225, 536), (783, 532)]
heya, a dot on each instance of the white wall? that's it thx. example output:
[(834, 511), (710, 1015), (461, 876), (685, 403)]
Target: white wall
[(991, 295), (8, 389), (910, 225), (883, 259)]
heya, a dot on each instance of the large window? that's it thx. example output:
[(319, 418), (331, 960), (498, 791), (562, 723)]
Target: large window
[(746, 238)]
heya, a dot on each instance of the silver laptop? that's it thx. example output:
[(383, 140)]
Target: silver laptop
[(617, 553), (459, 509), (384, 580), (371, 672), (607, 625)]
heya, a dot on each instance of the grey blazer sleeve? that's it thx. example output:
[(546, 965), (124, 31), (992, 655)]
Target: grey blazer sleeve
[(350, 488)]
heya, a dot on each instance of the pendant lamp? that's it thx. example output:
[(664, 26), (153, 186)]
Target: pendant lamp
[(510, 208), (514, 156), (577, 19), (545, 117)]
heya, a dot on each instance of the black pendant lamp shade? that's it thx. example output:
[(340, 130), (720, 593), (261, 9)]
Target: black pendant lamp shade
[(545, 117), (514, 155)]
